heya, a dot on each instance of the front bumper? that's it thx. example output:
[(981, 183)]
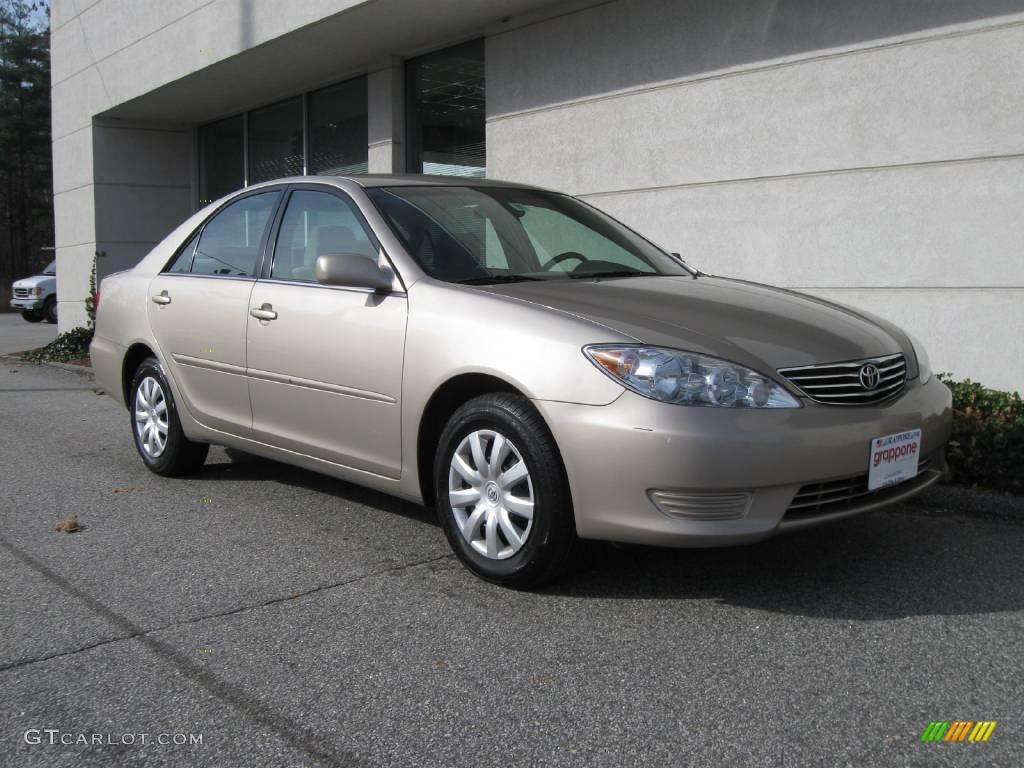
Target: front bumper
[(25, 305), (617, 455)]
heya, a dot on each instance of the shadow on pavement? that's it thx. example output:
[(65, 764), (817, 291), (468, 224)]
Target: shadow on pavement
[(906, 561), (245, 467), (889, 564)]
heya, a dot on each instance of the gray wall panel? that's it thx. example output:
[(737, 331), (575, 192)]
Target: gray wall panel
[(945, 225), (936, 100)]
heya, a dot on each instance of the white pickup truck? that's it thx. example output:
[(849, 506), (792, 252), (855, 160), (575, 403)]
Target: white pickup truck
[(36, 297)]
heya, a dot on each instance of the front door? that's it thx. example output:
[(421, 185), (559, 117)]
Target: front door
[(325, 363), (198, 310)]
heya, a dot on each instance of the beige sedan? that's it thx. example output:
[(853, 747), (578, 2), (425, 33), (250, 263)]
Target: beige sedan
[(533, 368)]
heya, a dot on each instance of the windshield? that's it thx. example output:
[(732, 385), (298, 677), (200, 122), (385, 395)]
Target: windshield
[(481, 235), (51, 268)]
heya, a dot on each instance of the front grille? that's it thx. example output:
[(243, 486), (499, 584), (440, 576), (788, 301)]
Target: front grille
[(22, 293), (839, 495), (840, 383)]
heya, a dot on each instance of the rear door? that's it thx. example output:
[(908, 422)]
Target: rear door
[(325, 362), (198, 309)]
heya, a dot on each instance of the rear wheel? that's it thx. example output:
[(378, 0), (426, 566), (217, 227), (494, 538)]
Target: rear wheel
[(156, 427), (50, 309), (32, 315), (502, 496)]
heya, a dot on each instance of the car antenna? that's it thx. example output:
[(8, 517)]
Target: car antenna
[(694, 272)]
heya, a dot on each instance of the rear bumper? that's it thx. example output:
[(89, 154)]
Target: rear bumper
[(107, 357), (729, 477)]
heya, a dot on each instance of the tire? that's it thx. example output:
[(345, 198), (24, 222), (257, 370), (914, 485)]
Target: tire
[(496, 497), (50, 310), (177, 455), (32, 315)]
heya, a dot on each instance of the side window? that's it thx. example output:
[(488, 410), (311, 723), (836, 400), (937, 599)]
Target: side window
[(183, 261), (230, 241), (314, 224)]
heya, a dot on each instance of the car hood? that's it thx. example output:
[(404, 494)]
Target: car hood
[(755, 325), (35, 280)]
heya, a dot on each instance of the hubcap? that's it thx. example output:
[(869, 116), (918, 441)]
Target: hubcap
[(151, 417), (491, 494)]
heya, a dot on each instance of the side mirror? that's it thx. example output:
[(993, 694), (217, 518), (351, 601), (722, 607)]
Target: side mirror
[(352, 270)]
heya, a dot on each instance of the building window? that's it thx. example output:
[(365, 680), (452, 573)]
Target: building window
[(221, 159), (338, 129), (446, 112), (275, 141), (336, 141)]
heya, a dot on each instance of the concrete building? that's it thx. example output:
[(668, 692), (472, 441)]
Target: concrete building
[(868, 151)]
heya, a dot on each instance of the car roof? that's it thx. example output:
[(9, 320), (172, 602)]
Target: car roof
[(369, 181), (418, 179)]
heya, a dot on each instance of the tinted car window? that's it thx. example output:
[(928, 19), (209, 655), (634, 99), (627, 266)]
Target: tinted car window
[(317, 223), (488, 234), (230, 241), (183, 261), (552, 232)]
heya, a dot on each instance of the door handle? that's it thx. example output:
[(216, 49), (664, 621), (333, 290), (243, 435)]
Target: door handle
[(162, 298), (266, 312)]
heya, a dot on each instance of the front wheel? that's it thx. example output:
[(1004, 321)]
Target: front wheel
[(156, 427), (32, 315), (50, 310), (502, 496)]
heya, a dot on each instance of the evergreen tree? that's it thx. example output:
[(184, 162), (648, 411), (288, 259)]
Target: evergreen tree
[(26, 177)]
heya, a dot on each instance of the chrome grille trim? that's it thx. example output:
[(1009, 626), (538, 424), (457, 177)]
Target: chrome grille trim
[(21, 293), (898, 375), (839, 383)]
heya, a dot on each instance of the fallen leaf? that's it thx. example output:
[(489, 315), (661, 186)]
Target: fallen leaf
[(69, 525)]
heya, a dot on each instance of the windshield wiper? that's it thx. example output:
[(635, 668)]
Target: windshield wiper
[(490, 279)]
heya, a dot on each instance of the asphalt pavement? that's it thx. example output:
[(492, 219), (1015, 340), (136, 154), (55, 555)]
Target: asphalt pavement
[(17, 334), (290, 619)]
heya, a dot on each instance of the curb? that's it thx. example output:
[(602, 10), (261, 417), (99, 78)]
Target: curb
[(81, 370)]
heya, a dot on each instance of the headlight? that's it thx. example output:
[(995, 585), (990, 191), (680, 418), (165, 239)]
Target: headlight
[(924, 366), (685, 378), (37, 291)]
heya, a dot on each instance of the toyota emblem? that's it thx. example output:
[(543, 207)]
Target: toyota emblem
[(870, 376)]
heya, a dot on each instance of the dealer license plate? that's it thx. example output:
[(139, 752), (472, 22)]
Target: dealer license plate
[(894, 459)]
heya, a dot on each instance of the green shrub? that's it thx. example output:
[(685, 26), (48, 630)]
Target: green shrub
[(987, 446), (68, 346)]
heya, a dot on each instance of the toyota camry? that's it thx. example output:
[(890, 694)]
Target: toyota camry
[(534, 369)]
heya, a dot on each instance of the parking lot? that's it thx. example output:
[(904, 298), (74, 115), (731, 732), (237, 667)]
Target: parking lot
[(17, 334), (291, 619)]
